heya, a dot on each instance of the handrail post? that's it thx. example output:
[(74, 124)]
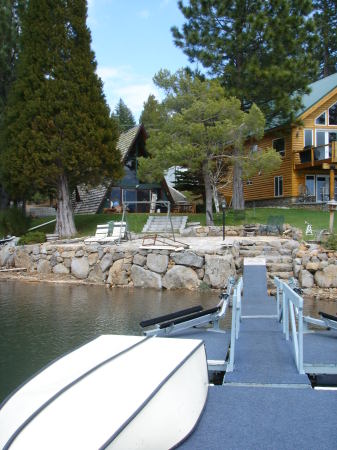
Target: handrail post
[(300, 340), (230, 366)]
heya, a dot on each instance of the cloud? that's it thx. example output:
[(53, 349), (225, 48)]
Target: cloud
[(163, 3), (144, 14), (123, 82)]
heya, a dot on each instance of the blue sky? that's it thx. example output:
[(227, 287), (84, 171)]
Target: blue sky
[(132, 41)]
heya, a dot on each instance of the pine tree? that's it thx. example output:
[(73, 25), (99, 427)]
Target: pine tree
[(124, 116), (260, 50), (326, 28), (152, 116), (10, 11), (57, 132), (201, 125)]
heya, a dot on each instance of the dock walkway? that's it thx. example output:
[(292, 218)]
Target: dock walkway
[(264, 403)]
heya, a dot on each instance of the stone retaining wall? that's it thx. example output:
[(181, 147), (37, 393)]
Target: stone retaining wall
[(139, 268), (187, 269)]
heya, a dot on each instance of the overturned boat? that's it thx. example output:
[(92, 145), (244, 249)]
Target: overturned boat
[(116, 392)]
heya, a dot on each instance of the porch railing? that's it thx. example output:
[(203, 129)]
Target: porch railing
[(314, 154)]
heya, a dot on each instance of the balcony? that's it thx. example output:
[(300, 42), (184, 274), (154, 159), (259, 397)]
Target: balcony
[(316, 157)]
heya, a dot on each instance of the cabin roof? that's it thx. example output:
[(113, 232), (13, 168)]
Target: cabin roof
[(127, 139), (90, 198), (319, 89)]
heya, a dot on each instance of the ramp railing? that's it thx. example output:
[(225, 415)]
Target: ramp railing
[(292, 319), (236, 320)]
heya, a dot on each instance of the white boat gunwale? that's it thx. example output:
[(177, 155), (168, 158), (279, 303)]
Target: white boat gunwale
[(61, 391), (152, 395)]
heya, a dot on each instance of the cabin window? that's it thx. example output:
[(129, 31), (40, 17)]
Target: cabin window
[(115, 196), (333, 115), (310, 184), (279, 146), (321, 120), (278, 186), (308, 138)]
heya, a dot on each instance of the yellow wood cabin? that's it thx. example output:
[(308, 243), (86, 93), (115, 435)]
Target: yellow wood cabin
[(308, 153)]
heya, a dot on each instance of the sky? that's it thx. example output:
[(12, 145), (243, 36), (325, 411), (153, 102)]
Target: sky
[(132, 41)]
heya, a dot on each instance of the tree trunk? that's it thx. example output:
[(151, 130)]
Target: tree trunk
[(65, 225), (238, 202), (208, 193), (215, 198)]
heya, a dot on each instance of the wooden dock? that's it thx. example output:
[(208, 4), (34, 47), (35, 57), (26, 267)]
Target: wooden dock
[(265, 402)]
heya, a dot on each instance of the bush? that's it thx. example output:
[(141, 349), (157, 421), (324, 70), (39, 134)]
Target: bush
[(13, 222), (34, 237), (331, 242)]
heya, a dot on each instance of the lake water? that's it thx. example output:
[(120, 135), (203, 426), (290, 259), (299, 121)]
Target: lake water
[(41, 321)]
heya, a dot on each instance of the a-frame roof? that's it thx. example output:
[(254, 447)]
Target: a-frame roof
[(127, 139)]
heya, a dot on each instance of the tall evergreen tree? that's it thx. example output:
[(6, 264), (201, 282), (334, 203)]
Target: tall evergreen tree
[(261, 50), (202, 125), (57, 132), (124, 116), (326, 28), (10, 11), (153, 115)]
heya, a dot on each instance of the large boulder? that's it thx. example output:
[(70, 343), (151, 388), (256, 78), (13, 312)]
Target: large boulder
[(6, 255), (145, 278), (327, 277), (106, 262), (61, 269), (96, 275), (80, 267), (188, 258), (306, 278), (117, 274), (22, 259), (181, 277), (218, 269), (140, 260), (157, 263), (43, 266)]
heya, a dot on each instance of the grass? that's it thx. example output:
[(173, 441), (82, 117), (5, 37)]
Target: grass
[(86, 224)]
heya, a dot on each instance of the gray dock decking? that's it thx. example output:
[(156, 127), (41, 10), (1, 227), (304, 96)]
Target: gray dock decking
[(265, 403)]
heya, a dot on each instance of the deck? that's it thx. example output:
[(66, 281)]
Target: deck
[(265, 402)]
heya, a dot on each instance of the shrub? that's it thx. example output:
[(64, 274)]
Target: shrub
[(34, 237), (331, 242), (14, 222)]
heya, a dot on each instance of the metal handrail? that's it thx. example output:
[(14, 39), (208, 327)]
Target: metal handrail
[(292, 312), (236, 319)]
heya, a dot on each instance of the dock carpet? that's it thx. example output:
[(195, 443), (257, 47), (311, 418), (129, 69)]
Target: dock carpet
[(256, 300), (216, 343), (320, 348), (247, 418), (262, 355)]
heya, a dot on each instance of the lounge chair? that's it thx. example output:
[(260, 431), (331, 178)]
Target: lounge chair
[(102, 232), (119, 231)]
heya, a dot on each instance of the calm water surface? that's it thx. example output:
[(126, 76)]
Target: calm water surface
[(41, 321)]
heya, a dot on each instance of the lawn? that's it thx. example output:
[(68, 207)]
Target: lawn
[(86, 224)]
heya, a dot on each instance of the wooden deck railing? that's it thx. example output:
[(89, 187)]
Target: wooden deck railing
[(311, 156)]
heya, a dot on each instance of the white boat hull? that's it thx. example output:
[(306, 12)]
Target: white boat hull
[(117, 392)]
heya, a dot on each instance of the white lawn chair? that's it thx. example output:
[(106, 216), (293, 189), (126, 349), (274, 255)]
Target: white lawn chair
[(118, 232), (102, 232)]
